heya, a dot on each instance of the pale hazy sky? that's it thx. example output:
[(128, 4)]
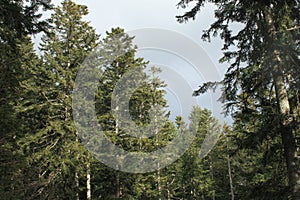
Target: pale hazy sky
[(139, 14)]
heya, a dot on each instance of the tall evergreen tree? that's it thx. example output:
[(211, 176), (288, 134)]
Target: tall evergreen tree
[(266, 61), (118, 57), (52, 145), (18, 21), (191, 176), (13, 162), (121, 72)]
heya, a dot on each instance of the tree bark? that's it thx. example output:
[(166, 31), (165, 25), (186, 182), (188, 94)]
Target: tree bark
[(158, 165), (287, 136), (88, 183), (76, 173), (286, 130), (212, 175), (118, 185), (77, 185), (118, 190), (229, 171)]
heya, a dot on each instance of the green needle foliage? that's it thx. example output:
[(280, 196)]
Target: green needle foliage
[(261, 84), (18, 21), (53, 143), (41, 155)]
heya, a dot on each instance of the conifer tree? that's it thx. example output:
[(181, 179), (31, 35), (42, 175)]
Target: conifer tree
[(122, 72), (52, 145), (18, 21), (264, 66)]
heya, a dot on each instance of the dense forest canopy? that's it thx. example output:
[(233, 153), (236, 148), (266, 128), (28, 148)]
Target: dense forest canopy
[(44, 157)]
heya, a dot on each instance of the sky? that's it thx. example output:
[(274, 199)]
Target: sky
[(177, 71)]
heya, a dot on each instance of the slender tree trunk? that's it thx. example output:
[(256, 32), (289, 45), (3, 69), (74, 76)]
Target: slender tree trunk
[(158, 182), (158, 167), (229, 171), (76, 176), (192, 191), (88, 182), (118, 187), (158, 163), (168, 191), (77, 185), (118, 191), (77, 157), (212, 175)]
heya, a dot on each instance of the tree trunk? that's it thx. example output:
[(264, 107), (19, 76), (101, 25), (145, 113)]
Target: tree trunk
[(118, 187), (158, 169), (168, 192), (77, 185), (212, 175), (287, 136), (158, 165), (76, 174), (118, 190), (158, 182), (286, 130), (156, 131), (229, 171), (88, 183)]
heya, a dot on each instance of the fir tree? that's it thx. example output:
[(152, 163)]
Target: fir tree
[(264, 66), (53, 145)]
